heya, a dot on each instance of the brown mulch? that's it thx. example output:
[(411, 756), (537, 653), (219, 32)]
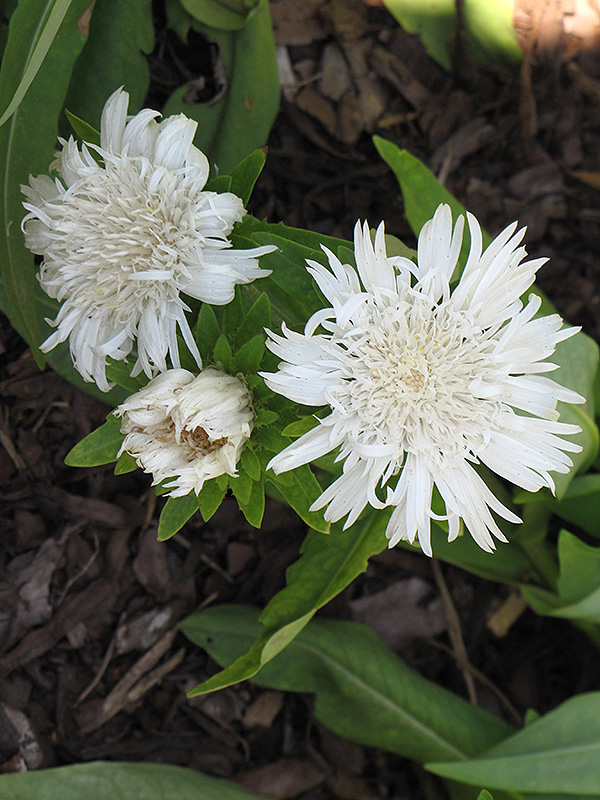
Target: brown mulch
[(91, 663)]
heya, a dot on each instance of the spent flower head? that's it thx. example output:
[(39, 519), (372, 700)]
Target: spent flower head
[(187, 428), (424, 383), (122, 240)]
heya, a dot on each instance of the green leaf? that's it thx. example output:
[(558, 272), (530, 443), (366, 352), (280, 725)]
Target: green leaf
[(51, 26), (578, 586), (487, 26), (245, 175), (507, 564), (250, 463), (297, 298), (232, 128), (225, 14), (300, 427), (120, 34), (421, 190), (119, 372), (560, 752), (125, 463), (206, 331), (118, 781), (223, 354), (577, 358), (256, 320), (27, 142), (485, 795), (254, 509), (300, 489), (326, 566), (82, 129), (247, 359), (99, 447), (579, 504), (211, 496), (241, 488), (176, 512), (363, 692)]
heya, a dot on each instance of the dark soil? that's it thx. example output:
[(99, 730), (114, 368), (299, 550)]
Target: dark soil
[(91, 663)]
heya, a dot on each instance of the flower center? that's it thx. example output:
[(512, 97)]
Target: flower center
[(415, 378), (134, 228), (197, 443)]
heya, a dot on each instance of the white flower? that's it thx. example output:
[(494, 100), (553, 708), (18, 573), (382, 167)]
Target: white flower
[(123, 239), (187, 428), (425, 384)]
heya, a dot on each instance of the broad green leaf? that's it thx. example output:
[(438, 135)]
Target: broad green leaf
[(125, 463), (560, 752), (247, 359), (250, 463), (27, 142), (328, 563), (241, 487), (223, 354), (238, 123), (300, 489), (256, 320), (206, 330), (300, 427), (100, 780), (211, 497), (120, 35), (176, 512), (579, 504), (254, 509), (119, 372), (363, 692), (245, 175), (297, 298), (578, 586), (490, 28), (312, 240), (487, 26), (99, 447), (485, 795), (421, 190), (225, 14)]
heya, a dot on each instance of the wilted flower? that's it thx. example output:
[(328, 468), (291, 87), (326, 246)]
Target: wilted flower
[(426, 383), (187, 428), (122, 240)]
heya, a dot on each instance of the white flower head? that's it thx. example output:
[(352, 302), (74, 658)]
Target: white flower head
[(122, 240), (188, 428), (424, 383)]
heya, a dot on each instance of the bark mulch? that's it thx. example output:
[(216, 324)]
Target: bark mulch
[(91, 663)]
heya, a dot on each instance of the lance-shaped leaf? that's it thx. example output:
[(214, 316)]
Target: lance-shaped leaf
[(327, 565)]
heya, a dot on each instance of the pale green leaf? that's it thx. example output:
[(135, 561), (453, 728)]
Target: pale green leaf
[(176, 512), (363, 692), (560, 752), (99, 447), (100, 780)]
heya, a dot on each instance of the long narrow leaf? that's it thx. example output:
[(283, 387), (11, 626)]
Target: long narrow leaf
[(48, 32), (26, 144)]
